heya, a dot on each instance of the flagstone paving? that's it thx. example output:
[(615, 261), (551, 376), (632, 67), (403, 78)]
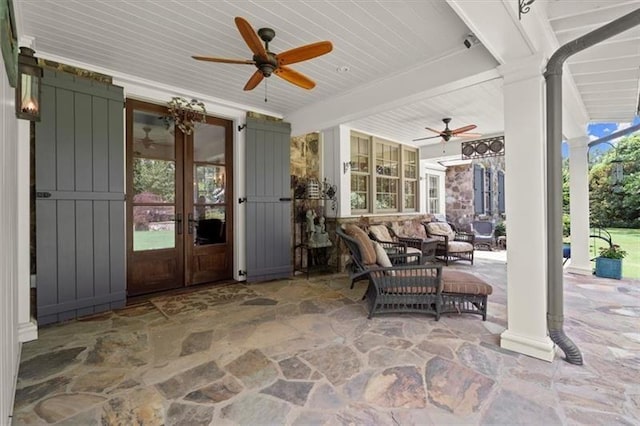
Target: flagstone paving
[(302, 352)]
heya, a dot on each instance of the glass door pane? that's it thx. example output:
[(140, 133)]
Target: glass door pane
[(154, 183), (209, 185)]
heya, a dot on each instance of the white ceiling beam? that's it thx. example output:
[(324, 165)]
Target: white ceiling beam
[(497, 26), (461, 68), (598, 17)]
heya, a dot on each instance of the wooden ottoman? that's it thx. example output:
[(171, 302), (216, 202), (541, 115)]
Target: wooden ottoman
[(463, 292)]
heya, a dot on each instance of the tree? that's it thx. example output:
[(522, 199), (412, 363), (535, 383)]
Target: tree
[(617, 209), (155, 177)]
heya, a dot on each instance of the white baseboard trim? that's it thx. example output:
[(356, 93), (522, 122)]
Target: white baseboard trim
[(542, 349), (28, 331)]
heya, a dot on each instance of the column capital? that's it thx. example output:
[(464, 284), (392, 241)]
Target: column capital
[(523, 69)]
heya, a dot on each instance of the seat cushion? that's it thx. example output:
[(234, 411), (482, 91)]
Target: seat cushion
[(464, 283), (381, 232), (440, 229), (459, 247), (367, 251)]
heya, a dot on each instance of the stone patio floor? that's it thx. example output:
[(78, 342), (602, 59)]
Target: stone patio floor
[(302, 352)]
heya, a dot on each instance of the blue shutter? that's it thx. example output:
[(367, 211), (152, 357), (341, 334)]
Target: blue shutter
[(478, 189), (489, 206), (501, 192)]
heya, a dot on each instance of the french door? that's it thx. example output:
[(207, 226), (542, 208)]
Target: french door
[(179, 201)]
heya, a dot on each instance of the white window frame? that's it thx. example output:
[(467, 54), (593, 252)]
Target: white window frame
[(433, 185), (373, 176)]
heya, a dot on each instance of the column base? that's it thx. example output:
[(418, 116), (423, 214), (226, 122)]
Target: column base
[(28, 331), (542, 349), (579, 270)]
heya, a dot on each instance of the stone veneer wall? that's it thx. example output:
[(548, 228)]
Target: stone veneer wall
[(458, 186), (459, 192)]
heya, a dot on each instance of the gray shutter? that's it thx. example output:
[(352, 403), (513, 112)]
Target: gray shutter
[(268, 216), (80, 245), (478, 189), (501, 192)]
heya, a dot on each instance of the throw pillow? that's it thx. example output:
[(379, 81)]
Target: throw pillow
[(367, 251), (382, 258)]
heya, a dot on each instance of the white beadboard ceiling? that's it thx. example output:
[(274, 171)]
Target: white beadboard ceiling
[(154, 40), (607, 75)]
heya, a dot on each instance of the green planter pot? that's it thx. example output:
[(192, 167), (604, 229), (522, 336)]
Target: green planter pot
[(608, 268)]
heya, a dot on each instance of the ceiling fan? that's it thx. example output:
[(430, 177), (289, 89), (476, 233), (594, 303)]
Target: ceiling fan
[(147, 142), (448, 133), (268, 62)]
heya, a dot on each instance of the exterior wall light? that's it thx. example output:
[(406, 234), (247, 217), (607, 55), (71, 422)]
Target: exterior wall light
[(28, 87)]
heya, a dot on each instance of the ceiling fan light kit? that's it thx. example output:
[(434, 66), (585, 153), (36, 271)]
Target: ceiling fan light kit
[(267, 62)]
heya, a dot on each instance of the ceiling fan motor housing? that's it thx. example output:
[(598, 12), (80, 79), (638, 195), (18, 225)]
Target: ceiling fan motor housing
[(268, 66)]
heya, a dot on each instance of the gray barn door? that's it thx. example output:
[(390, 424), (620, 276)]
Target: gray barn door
[(80, 246), (268, 229)]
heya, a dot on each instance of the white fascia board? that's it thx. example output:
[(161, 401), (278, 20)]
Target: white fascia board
[(455, 70), (149, 90)]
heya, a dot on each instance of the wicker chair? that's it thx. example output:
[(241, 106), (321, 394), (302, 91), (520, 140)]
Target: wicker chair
[(398, 288), (362, 259), (389, 239), (484, 233), (452, 245)]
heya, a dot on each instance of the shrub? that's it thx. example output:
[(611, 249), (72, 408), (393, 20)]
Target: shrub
[(613, 252)]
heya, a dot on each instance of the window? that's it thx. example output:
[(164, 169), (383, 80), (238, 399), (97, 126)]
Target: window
[(385, 172), (478, 189), (433, 194), (387, 178), (410, 162), (360, 175), (501, 208), (488, 191)]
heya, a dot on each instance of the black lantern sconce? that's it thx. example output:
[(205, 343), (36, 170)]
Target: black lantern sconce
[(28, 88)]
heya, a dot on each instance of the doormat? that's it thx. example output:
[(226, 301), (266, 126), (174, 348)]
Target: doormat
[(202, 300)]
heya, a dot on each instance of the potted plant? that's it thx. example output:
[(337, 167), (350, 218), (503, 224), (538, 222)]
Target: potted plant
[(609, 263)]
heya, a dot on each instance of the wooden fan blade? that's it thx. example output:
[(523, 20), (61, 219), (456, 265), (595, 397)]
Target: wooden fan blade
[(250, 37), (434, 130), (303, 53), (255, 79), (468, 135), (463, 129), (429, 137), (223, 60), (295, 77)]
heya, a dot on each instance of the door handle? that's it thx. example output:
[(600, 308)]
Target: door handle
[(191, 222), (179, 223), (285, 199)]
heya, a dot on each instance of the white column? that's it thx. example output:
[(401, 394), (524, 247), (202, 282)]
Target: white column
[(336, 145), (524, 120), (27, 325), (579, 200)]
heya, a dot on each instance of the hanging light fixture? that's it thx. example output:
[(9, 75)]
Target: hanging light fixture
[(28, 88), (185, 114)]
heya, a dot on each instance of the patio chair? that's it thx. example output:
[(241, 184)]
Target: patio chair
[(389, 240), (484, 233), (392, 288), (364, 254), (452, 245)]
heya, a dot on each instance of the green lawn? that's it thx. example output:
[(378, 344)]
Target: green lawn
[(149, 240), (629, 241)]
